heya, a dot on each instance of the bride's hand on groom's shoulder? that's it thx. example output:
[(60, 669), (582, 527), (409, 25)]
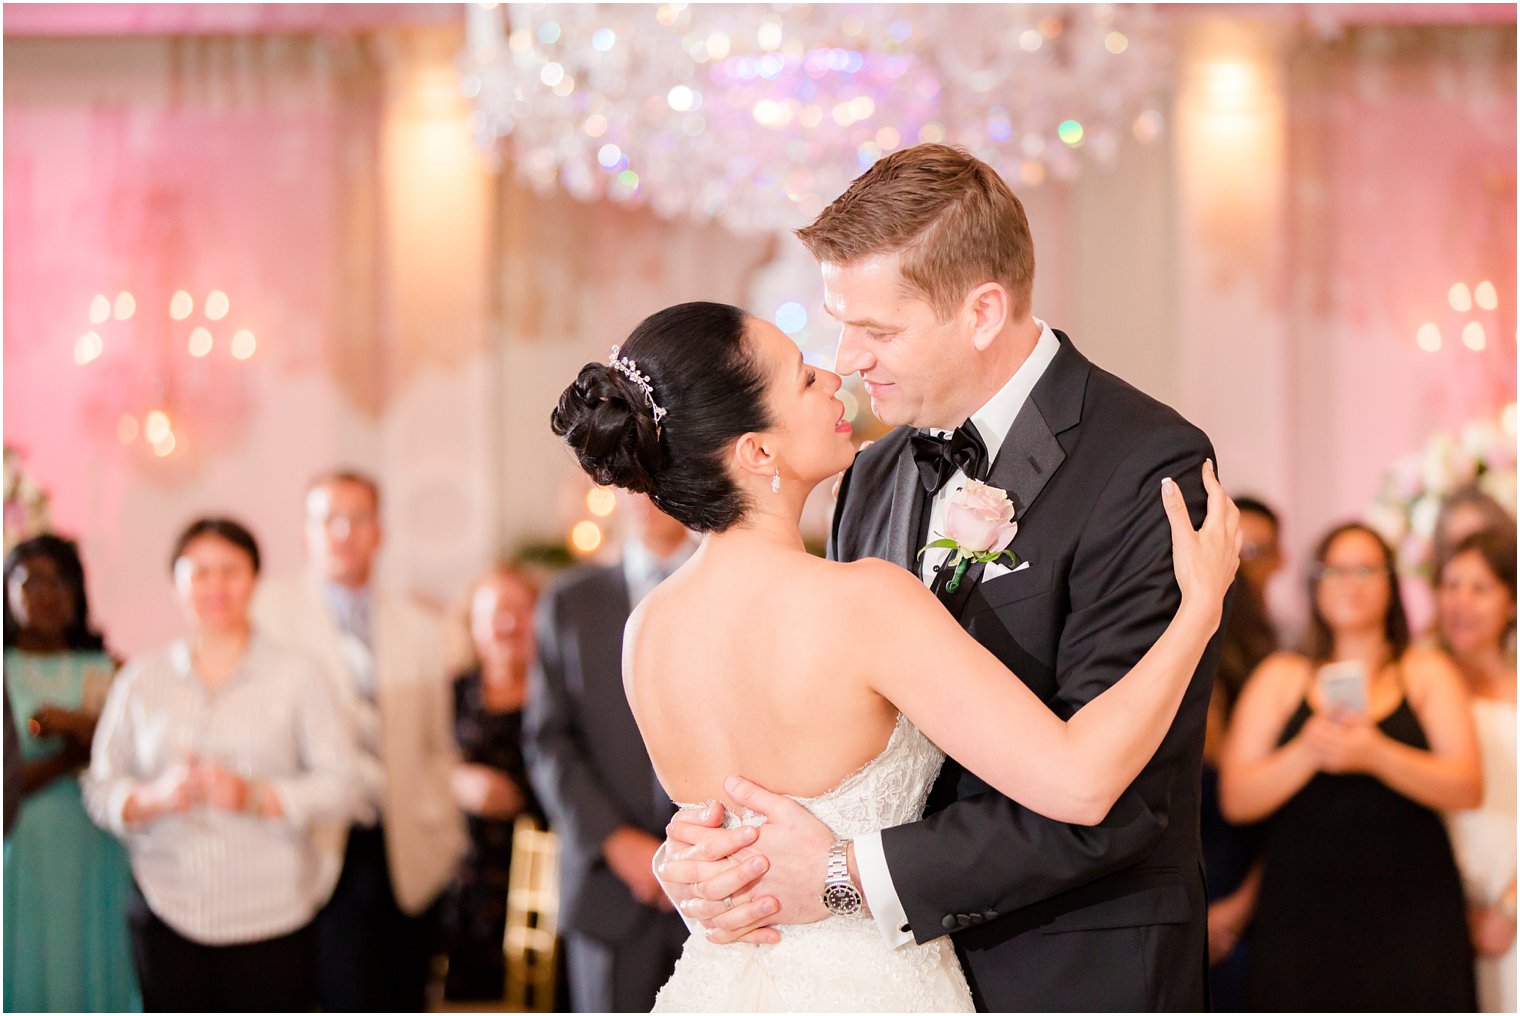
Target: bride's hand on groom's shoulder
[(1204, 560)]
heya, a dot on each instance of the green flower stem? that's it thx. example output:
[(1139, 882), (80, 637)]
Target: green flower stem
[(955, 580)]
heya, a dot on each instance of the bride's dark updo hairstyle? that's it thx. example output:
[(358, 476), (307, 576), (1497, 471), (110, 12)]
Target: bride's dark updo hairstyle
[(704, 375)]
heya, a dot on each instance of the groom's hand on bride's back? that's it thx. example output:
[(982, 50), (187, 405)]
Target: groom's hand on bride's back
[(771, 875), (701, 857)]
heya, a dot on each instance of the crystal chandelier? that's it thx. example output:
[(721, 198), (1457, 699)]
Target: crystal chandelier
[(759, 114)]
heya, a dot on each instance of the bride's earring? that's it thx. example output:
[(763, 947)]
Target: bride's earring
[(776, 481)]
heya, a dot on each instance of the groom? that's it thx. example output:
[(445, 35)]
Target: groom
[(928, 265)]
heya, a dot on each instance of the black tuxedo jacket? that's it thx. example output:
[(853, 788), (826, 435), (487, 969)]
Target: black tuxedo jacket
[(1049, 916), (586, 759)]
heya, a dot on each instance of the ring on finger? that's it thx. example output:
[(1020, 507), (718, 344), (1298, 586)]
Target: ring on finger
[(728, 903)]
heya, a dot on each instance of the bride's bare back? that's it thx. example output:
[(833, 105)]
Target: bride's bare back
[(746, 661)]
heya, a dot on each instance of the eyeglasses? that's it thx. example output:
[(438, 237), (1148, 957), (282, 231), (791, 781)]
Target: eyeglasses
[(1360, 572)]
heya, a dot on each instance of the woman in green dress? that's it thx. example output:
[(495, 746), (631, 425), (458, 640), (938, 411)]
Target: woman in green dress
[(66, 882)]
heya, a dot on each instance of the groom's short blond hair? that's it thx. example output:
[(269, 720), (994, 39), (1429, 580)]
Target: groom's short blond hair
[(952, 219)]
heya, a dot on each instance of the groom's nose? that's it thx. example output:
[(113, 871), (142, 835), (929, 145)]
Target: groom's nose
[(851, 357)]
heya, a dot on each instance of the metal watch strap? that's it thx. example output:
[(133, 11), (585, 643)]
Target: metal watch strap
[(840, 896), (839, 863)]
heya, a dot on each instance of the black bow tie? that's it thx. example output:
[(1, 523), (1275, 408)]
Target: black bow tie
[(939, 457)]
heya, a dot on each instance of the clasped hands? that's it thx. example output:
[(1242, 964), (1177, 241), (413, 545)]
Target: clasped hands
[(193, 781), (740, 882), (1342, 742)]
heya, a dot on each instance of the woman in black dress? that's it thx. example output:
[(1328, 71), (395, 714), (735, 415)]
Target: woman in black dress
[(490, 784), (1360, 906)]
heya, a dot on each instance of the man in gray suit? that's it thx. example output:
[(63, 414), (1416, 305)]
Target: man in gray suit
[(588, 765)]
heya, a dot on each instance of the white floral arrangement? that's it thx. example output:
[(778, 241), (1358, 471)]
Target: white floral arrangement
[(1482, 454), (26, 503)]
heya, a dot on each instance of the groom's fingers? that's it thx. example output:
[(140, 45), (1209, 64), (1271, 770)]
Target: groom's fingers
[(748, 794), (699, 843)]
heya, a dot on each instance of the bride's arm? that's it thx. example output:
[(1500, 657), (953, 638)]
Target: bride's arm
[(988, 720)]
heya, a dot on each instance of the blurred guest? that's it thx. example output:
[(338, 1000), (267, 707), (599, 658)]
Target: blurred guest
[(1261, 549), (67, 883), (13, 766), (587, 762), (213, 758), (1360, 906), (1231, 874), (1464, 512), (378, 933), (1476, 620), (491, 784)]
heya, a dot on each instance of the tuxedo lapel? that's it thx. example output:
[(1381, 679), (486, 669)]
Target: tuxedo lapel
[(906, 516), (1030, 454)]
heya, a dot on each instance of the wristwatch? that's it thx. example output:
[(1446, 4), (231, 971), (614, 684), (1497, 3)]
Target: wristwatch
[(839, 893)]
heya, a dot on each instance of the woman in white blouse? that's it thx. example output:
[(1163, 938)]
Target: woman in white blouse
[(211, 759), (1475, 597)]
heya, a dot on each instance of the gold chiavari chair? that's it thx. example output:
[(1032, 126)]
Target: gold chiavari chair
[(532, 937)]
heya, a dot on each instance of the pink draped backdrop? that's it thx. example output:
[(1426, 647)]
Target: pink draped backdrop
[(413, 313)]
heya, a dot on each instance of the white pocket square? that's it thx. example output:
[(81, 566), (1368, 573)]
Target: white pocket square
[(993, 571)]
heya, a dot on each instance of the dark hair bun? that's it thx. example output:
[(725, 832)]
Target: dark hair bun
[(697, 360), (604, 419)]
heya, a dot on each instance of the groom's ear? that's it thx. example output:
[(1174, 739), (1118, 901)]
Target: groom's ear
[(754, 455), (987, 307)]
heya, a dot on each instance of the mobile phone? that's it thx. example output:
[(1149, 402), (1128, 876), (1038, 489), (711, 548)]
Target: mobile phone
[(1343, 686)]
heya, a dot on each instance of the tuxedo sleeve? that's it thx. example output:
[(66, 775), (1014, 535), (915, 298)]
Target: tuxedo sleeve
[(986, 855), (574, 799)]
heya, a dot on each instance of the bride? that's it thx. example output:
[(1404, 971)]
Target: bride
[(841, 684)]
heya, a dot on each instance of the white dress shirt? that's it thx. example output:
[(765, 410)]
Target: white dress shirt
[(214, 876), (993, 422)]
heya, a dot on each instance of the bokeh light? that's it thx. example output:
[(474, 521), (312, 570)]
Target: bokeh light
[(181, 305), (1474, 337), (586, 537), (1428, 337), (791, 317), (87, 348), (601, 501), (200, 342), (243, 344), (157, 426)]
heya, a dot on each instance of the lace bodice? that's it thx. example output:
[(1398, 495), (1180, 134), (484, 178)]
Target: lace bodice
[(888, 790), (840, 964)]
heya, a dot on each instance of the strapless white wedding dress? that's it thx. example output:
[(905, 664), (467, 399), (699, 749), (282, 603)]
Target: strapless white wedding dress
[(840, 964)]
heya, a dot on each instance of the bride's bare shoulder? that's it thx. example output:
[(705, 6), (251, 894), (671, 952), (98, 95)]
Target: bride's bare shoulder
[(882, 581)]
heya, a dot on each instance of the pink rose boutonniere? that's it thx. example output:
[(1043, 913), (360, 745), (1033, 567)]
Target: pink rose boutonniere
[(979, 527)]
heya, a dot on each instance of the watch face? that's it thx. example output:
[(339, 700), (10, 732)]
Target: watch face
[(842, 899)]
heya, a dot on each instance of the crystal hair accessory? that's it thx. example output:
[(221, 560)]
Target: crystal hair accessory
[(630, 369)]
